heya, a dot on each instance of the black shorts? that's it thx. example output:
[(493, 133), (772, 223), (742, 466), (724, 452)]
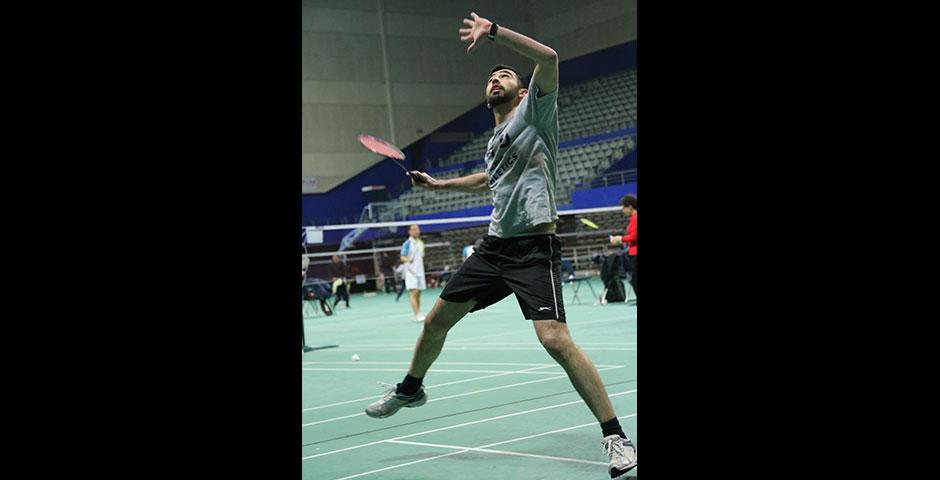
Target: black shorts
[(530, 267)]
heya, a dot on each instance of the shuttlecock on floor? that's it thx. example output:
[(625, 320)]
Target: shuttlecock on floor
[(355, 357)]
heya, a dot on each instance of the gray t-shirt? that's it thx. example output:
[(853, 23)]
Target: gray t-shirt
[(520, 161)]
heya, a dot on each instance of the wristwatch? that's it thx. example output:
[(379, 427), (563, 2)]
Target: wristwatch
[(493, 29)]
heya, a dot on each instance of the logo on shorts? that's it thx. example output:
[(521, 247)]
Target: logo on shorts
[(544, 308)]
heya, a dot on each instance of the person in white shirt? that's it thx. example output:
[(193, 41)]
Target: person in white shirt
[(412, 257)]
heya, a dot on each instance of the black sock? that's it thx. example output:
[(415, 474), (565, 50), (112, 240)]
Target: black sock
[(612, 427), (410, 385)]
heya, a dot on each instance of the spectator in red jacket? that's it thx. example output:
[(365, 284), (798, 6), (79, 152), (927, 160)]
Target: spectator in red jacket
[(629, 209)]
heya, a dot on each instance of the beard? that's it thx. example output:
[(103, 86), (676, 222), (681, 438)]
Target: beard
[(499, 99)]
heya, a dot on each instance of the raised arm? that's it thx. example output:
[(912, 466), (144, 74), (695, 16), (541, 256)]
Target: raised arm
[(546, 60)]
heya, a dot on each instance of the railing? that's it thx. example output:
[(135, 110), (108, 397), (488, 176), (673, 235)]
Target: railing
[(613, 178)]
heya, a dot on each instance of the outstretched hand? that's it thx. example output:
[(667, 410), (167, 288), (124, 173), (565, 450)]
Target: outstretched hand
[(477, 28)]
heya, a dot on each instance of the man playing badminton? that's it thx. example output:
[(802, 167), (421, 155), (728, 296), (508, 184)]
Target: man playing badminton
[(521, 254)]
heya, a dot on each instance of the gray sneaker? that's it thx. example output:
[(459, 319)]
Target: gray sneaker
[(622, 455), (393, 401)]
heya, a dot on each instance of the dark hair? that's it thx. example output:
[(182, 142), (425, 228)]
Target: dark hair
[(507, 67), (628, 201)]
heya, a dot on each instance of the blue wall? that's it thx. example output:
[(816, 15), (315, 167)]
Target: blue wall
[(600, 137), (601, 197), (347, 200), (626, 163), (599, 63)]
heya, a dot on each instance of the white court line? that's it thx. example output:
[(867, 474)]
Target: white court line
[(517, 332), (435, 363), (401, 465), (364, 316), (460, 341), (562, 375), (474, 344), (551, 432), (479, 344), (502, 334), (471, 349), (450, 363), (613, 318), (455, 382), (334, 419), (483, 449), (435, 371), (498, 452), (500, 417)]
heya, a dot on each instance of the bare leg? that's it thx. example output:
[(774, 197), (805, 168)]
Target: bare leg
[(413, 297), (442, 317), (556, 339)]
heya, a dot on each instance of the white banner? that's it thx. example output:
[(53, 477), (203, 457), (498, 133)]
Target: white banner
[(314, 235)]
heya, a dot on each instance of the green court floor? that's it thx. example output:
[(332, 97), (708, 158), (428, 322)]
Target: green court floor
[(498, 405)]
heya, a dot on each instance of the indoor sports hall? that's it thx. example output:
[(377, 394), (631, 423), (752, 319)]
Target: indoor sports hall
[(389, 89)]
